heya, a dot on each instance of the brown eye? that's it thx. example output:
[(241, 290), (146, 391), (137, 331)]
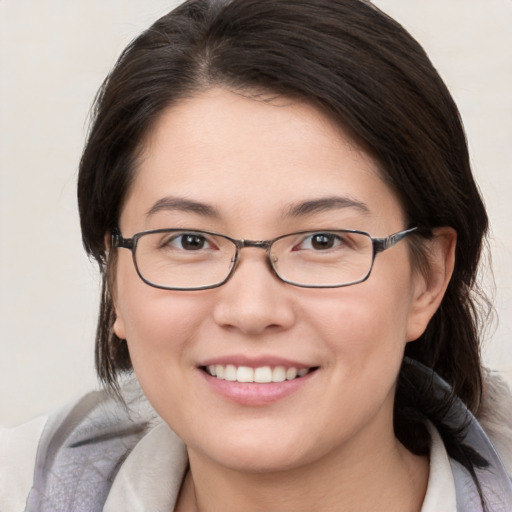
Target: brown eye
[(323, 241), (186, 242), (192, 242), (318, 242)]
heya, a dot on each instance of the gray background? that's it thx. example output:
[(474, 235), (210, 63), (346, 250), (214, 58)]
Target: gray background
[(54, 55)]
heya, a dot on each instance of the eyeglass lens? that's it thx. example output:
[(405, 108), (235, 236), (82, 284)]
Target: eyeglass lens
[(197, 259)]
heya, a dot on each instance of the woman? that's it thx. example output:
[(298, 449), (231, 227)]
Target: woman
[(336, 369)]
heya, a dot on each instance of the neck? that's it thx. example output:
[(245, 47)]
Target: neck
[(389, 479)]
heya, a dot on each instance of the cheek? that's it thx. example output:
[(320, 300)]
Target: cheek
[(365, 330), (363, 318), (157, 324)]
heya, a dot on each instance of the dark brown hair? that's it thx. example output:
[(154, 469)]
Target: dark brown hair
[(363, 69)]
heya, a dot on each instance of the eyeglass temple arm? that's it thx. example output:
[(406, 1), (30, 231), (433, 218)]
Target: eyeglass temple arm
[(381, 244), (119, 241)]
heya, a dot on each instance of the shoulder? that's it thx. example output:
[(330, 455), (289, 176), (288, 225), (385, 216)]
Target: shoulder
[(87, 437), (18, 449), (83, 446), (495, 416)]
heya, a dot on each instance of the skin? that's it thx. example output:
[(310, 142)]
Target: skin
[(329, 445)]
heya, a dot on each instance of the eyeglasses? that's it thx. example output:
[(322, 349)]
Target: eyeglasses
[(189, 259)]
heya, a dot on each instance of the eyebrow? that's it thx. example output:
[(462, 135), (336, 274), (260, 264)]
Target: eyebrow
[(324, 204), (184, 205), (299, 209)]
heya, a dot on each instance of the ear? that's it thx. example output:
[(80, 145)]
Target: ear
[(118, 326), (430, 287), (107, 242)]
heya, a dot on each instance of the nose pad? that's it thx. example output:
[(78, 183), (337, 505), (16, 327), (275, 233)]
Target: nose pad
[(254, 299), (272, 260)]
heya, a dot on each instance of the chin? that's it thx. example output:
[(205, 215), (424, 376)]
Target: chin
[(260, 461), (255, 454)]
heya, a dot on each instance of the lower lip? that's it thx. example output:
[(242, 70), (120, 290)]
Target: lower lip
[(252, 393)]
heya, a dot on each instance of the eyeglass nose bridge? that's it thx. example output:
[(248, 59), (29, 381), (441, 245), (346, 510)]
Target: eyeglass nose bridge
[(266, 245), (259, 244)]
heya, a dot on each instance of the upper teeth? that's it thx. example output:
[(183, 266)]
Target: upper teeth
[(262, 374)]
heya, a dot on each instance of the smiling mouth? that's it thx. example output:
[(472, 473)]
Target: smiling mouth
[(260, 375)]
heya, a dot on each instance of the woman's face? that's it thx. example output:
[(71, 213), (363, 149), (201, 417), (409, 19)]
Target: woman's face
[(256, 170)]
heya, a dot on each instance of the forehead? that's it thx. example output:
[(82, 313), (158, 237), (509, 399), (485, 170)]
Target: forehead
[(258, 157)]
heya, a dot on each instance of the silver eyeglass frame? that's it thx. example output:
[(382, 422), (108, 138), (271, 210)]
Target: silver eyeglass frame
[(378, 244)]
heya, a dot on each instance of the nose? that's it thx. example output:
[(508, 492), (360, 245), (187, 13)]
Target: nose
[(254, 300)]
